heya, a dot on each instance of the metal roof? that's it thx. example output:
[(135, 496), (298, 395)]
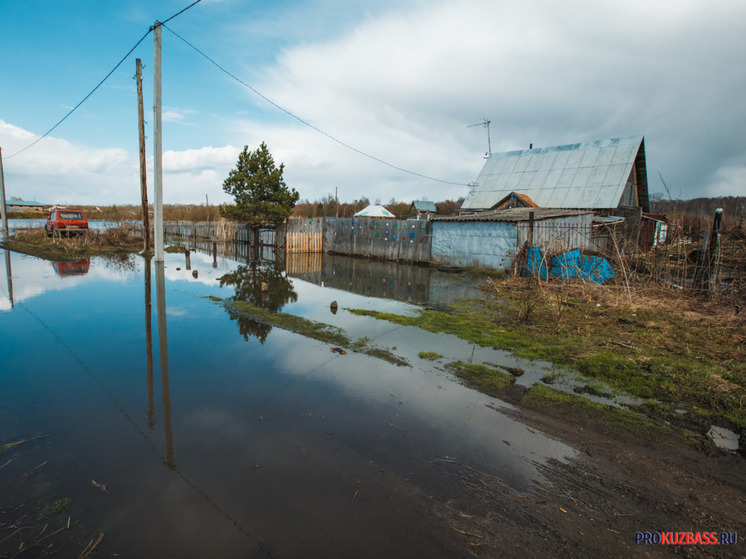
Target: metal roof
[(424, 206), (586, 175), (514, 215), (374, 211), (24, 203)]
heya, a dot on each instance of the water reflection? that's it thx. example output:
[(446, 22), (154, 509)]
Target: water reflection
[(285, 449), (77, 268), (9, 275), (262, 285), (160, 288)]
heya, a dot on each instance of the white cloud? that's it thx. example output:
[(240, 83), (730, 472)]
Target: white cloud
[(402, 81)]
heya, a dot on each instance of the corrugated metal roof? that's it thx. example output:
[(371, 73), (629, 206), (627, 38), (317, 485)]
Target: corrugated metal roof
[(586, 175), (513, 215)]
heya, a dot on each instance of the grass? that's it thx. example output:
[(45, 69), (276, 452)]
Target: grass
[(108, 242), (486, 379), (546, 398), (666, 348), (429, 355), (54, 508)]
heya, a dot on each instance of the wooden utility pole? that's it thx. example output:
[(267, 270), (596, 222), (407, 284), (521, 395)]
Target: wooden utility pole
[(3, 207), (143, 168), (157, 146)]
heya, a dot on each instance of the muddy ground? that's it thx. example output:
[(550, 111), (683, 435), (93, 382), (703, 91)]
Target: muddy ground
[(593, 506)]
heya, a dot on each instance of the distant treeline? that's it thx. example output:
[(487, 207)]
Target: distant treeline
[(732, 206), (328, 207)]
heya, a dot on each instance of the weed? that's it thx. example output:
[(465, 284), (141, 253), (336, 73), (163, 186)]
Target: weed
[(429, 355), (53, 509)]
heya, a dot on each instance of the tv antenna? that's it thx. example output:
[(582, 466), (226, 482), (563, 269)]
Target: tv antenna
[(486, 123)]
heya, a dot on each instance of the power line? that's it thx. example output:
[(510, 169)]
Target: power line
[(304, 122), (40, 138)]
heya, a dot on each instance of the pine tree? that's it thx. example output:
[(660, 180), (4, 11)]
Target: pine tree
[(260, 194)]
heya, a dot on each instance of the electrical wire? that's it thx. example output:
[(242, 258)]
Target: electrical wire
[(304, 122), (40, 138)]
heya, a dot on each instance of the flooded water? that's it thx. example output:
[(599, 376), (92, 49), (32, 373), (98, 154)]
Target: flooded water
[(178, 429)]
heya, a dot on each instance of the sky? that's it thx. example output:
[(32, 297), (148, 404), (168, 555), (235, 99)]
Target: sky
[(365, 99)]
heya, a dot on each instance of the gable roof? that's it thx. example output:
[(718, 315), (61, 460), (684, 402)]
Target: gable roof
[(587, 175), (424, 206), (374, 211)]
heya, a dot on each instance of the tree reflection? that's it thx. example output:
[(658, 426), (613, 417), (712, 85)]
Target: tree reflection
[(263, 286)]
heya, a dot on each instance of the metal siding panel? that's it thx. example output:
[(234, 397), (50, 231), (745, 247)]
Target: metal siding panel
[(534, 159), (560, 160), (547, 160), (521, 164), (512, 181), (605, 156), (573, 160), (616, 175), (598, 176), (539, 180), (624, 155), (553, 178), (567, 178), (556, 198), (589, 158), (525, 180)]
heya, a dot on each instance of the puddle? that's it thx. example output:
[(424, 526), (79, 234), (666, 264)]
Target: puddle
[(217, 436), (724, 438)]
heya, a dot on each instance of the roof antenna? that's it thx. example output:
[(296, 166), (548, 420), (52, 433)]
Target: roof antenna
[(486, 123)]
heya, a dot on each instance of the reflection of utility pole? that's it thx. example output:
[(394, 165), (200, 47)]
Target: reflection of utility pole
[(10, 276), (160, 296), (149, 341)]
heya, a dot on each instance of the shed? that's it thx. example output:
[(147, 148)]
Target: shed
[(21, 205), (493, 239), (374, 211), (602, 175), (420, 209)]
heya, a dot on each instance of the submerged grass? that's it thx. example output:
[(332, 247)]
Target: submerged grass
[(486, 379)]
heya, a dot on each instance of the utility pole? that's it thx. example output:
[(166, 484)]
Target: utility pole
[(3, 207), (158, 148), (143, 168)]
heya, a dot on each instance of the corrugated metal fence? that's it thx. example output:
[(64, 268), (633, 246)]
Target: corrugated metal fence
[(390, 239)]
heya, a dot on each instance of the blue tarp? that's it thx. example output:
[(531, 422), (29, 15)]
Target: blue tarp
[(569, 265)]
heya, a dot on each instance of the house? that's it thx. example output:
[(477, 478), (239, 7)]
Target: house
[(608, 177), (422, 209)]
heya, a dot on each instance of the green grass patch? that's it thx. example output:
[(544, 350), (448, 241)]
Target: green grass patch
[(429, 355), (699, 365), (546, 398), (484, 378)]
